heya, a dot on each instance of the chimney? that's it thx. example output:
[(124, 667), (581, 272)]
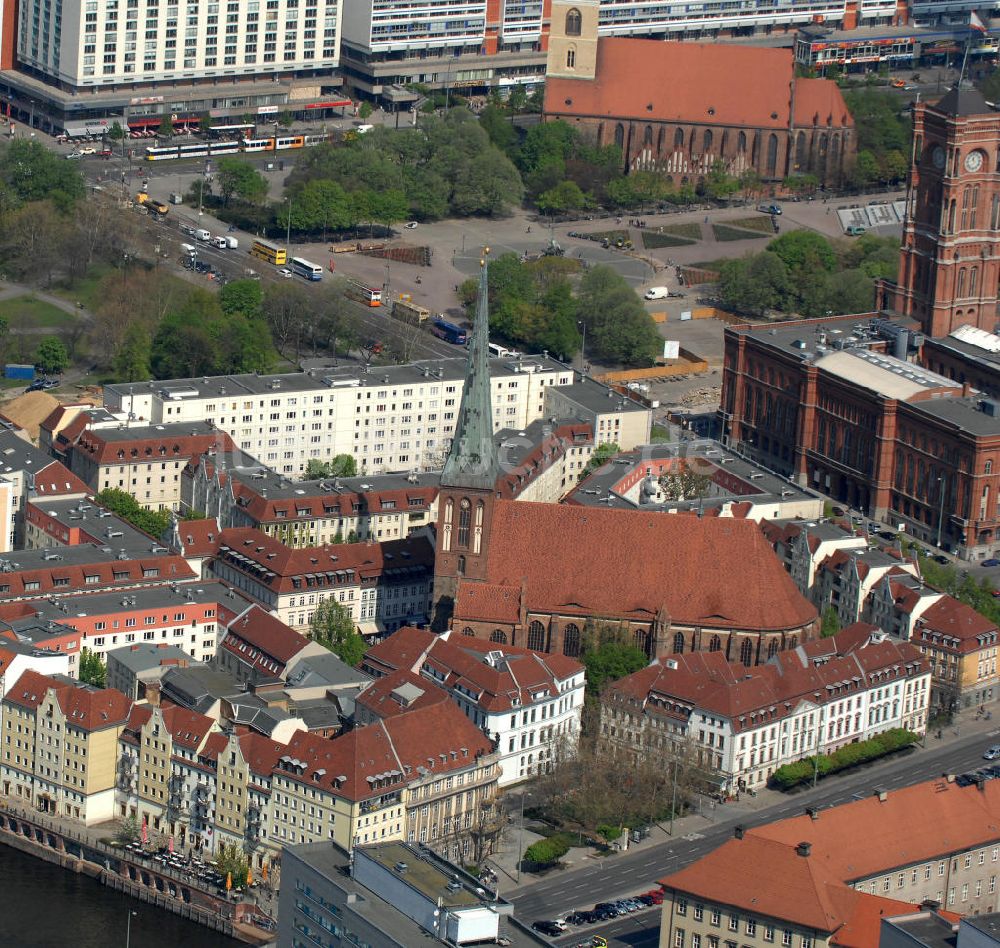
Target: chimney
[(966, 390), (930, 905), (738, 831), (803, 849)]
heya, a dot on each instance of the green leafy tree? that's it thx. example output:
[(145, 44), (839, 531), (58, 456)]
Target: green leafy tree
[(618, 327), (343, 465), (830, 624), (241, 296), (132, 361), (166, 127), (565, 196), (128, 831), (754, 285), (610, 661), (30, 172), (546, 852), (51, 355), (286, 119), (232, 861), (240, 179), (719, 185), (92, 670), (322, 204), (496, 122), (116, 133), (365, 110), (802, 249), (333, 627), (153, 522), (600, 456)]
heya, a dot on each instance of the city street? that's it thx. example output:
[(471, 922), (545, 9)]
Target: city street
[(632, 873)]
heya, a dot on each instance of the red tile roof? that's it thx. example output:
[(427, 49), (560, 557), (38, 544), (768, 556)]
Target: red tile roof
[(709, 572), (457, 661), (260, 752), (751, 697), (265, 635), (169, 569), (95, 444), (199, 538), (284, 569), (692, 82), (956, 626), (386, 754), (188, 728), (771, 878), (89, 709), (381, 697), (56, 479)]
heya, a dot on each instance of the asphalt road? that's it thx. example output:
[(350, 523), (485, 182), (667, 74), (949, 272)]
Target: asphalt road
[(638, 871)]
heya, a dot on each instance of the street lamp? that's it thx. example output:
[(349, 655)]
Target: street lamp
[(201, 194), (128, 927), (583, 346), (940, 510), (288, 230)]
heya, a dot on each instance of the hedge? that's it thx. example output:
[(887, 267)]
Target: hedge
[(784, 778), (546, 851)]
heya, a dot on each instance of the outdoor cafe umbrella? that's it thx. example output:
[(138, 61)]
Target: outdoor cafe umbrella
[(145, 833), (249, 876), (264, 871), (170, 845), (229, 881)]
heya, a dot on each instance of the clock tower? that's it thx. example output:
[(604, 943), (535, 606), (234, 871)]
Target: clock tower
[(949, 268)]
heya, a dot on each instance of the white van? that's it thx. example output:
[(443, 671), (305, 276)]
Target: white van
[(497, 352), (220, 242), (364, 128), (203, 235), (232, 243), (656, 293), (189, 249)]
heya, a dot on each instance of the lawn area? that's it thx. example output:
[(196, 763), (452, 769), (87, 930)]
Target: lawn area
[(87, 290), (725, 232), (610, 235), (690, 229), (652, 240), (761, 222), (28, 314)]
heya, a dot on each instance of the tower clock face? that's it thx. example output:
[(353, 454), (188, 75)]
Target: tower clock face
[(973, 161), (937, 156)]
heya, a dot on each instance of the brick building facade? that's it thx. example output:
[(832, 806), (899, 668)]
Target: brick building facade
[(690, 116), (823, 402)]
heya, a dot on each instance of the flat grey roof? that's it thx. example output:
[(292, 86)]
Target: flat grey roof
[(885, 374), (103, 525), (967, 349), (147, 597), (256, 476), (447, 370), (516, 444), (927, 928), (143, 656), (79, 555), (16, 454), (964, 413), (155, 432), (198, 686), (596, 397), (988, 924), (596, 489), (329, 670)]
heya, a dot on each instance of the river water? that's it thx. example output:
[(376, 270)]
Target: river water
[(47, 907)]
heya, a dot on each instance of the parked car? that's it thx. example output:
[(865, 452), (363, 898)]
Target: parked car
[(580, 918), (412, 225), (285, 272), (769, 208), (855, 230), (74, 155), (547, 928), (992, 561), (942, 559), (992, 753)]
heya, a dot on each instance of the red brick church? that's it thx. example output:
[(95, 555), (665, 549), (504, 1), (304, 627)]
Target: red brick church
[(679, 107), (546, 576)]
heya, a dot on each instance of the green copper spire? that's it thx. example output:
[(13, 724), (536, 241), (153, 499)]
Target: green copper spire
[(472, 460)]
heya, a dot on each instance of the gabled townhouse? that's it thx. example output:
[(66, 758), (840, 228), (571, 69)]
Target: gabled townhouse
[(257, 646), (742, 724), (60, 743), (845, 579), (961, 646), (803, 544), (897, 601), (160, 774), (529, 702), (383, 585)]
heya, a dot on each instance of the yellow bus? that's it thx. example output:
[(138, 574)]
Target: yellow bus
[(272, 253)]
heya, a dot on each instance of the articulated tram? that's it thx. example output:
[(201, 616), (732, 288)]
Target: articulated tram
[(235, 147)]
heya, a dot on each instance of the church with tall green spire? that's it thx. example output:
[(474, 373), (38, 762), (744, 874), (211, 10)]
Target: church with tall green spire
[(468, 480)]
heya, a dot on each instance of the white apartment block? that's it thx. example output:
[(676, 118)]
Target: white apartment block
[(103, 42), (393, 418)]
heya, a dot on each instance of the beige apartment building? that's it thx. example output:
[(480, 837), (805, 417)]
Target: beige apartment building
[(60, 746)]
